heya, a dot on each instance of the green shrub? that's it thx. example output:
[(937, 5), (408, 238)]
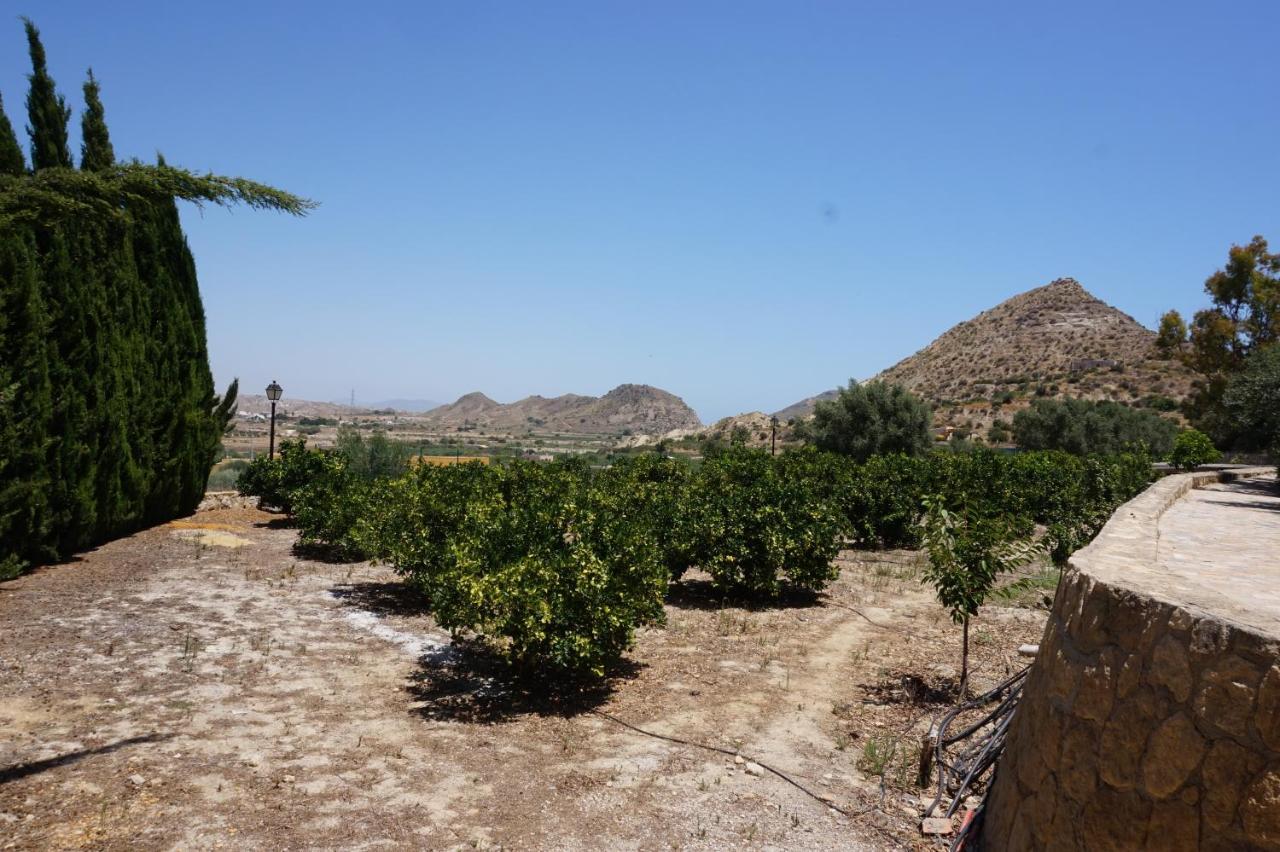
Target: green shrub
[(866, 420), (276, 481), (554, 567), (755, 526), (1082, 427), (1191, 449)]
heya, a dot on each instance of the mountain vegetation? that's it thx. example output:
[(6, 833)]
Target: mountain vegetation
[(1082, 426), (109, 420), (1057, 341), (876, 418)]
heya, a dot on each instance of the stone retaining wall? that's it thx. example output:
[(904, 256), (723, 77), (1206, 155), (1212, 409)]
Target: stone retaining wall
[(1150, 719)]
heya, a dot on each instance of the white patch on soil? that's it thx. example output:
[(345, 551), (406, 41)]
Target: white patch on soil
[(437, 648)]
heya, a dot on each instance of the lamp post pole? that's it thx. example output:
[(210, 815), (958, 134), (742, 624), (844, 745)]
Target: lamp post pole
[(273, 393)]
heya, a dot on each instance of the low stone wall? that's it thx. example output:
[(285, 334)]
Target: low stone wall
[(1151, 717)]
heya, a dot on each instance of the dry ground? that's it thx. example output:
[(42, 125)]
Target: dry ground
[(200, 686)]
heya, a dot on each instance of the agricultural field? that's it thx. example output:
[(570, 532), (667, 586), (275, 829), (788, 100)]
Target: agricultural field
[(200, 685)]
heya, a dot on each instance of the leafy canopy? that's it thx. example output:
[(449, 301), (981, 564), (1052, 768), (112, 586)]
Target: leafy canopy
[(866, 420), (1081, 427)]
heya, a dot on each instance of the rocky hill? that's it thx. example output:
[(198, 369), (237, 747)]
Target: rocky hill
[(638, 409), (1057, 340)]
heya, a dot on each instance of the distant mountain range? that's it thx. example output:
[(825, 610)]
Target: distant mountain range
[(638, 409), (1058, 340), (413, 406)]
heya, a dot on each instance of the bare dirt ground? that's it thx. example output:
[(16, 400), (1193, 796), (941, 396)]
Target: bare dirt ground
[(201, 686)]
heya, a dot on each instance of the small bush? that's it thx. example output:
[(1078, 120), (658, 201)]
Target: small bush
[(755, 526), (1191, 449)]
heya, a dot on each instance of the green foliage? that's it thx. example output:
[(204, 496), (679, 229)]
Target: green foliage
[(96, 153), (108, 416), (1082, 426), (1252, 400), (550, 564), (11, 159), (969, 550), (1191, 449), (46, 110), (1244, 317), (870, 419), (278, 482), (756, 526), (375, 456)]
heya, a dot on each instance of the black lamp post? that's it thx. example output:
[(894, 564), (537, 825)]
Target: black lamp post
[(773, 436), (273, 393)]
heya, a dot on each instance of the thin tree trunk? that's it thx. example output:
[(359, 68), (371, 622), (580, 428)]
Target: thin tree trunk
[(964, 661)]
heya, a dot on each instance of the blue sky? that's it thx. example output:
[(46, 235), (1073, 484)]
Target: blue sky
[(743, 203)]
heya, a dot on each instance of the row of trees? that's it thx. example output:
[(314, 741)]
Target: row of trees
[(109, 420), (557, 564)]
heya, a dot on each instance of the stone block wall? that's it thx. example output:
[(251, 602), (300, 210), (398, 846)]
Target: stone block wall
[(1145, 723)]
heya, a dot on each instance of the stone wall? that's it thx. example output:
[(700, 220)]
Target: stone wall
[(1151, 717)]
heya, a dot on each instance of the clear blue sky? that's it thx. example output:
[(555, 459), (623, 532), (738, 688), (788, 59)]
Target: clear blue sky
[(743, 203)]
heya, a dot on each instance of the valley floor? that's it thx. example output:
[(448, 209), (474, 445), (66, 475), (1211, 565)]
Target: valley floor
[(200, 686)]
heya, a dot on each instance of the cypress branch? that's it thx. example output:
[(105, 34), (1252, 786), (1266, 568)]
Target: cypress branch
[(11, 159), (96, 153), (46, 109)]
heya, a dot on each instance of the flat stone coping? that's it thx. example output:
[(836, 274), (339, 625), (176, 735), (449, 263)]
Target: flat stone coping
[(1208, 542)]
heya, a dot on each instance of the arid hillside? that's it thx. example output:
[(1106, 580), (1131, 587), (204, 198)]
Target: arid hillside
[(640, 409), (1057, 340)]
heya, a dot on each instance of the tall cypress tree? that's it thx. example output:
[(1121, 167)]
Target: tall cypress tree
[(46, 110), (96, 152), (11, 160), (108, 416)]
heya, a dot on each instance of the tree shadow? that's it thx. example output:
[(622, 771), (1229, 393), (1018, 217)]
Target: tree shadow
[(328, 554), (381, 599), (22, 770), (1247, 504), (700, 594), (472, 684), (913, 690), (283, 522)]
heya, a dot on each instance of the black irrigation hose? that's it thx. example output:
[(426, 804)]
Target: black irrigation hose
[(962, 771)]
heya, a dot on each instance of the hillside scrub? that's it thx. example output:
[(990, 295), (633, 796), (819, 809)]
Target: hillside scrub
[(1082, 427), (871, 419), (556, 565)]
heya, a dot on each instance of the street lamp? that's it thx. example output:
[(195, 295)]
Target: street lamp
[(773, 436), (273, 393)]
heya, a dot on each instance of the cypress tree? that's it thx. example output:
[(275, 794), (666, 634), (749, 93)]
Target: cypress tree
[(46, 110), (11, 160), (100, 318), (96, 152)]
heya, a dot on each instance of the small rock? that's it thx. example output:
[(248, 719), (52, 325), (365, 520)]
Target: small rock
[(287, 779), (137, 780), (936, 826), (739, 760), (754, 769)]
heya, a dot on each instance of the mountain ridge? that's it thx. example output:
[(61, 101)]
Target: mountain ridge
[(633, 408), (1056, 340)]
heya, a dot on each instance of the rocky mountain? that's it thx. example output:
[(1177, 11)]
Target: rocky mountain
[(1057, 340), (639, 409), (753, 429)]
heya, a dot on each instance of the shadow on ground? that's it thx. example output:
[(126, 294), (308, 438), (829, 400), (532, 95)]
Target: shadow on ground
[(381, 599), (22, 770), (476, 686), (703, 595)]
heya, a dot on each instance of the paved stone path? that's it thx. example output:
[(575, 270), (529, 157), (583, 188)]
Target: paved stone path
[(1226, 537)]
